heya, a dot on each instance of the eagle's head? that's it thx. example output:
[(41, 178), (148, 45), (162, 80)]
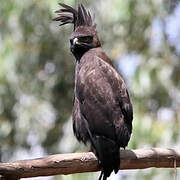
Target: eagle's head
[(84, 36)]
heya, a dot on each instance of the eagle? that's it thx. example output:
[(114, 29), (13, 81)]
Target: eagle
[(102, 111)]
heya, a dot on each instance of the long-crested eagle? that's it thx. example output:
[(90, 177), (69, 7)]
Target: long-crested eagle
[(102, 111)]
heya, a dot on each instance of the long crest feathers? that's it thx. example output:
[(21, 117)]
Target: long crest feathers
[(80, 17), (63, 15)]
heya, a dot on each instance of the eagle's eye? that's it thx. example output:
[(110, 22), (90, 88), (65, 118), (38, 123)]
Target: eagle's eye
[(86, 39)]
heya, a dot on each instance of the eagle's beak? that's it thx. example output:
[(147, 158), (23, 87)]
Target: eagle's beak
[(76, 41)]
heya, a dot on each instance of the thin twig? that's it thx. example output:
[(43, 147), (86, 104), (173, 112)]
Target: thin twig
[(175, 170)]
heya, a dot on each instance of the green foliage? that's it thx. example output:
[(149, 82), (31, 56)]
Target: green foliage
[(37, 71)]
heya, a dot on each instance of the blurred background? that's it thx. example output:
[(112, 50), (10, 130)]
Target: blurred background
[(37, 77)]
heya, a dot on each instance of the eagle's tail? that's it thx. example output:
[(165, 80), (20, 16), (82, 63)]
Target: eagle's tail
[(107, 152)]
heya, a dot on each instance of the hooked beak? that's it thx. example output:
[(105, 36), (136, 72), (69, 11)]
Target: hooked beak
[(76, 41)]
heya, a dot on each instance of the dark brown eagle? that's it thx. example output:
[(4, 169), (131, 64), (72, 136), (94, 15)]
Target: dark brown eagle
[(102, 112)]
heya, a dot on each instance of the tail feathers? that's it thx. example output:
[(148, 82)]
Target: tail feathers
[(107, 152)]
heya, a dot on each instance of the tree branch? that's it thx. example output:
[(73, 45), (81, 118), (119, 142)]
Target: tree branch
[(87, 162)]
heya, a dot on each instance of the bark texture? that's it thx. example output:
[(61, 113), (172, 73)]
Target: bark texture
[(87, 162)]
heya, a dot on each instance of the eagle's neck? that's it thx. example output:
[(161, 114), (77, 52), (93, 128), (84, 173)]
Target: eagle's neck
[(79, 52)]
